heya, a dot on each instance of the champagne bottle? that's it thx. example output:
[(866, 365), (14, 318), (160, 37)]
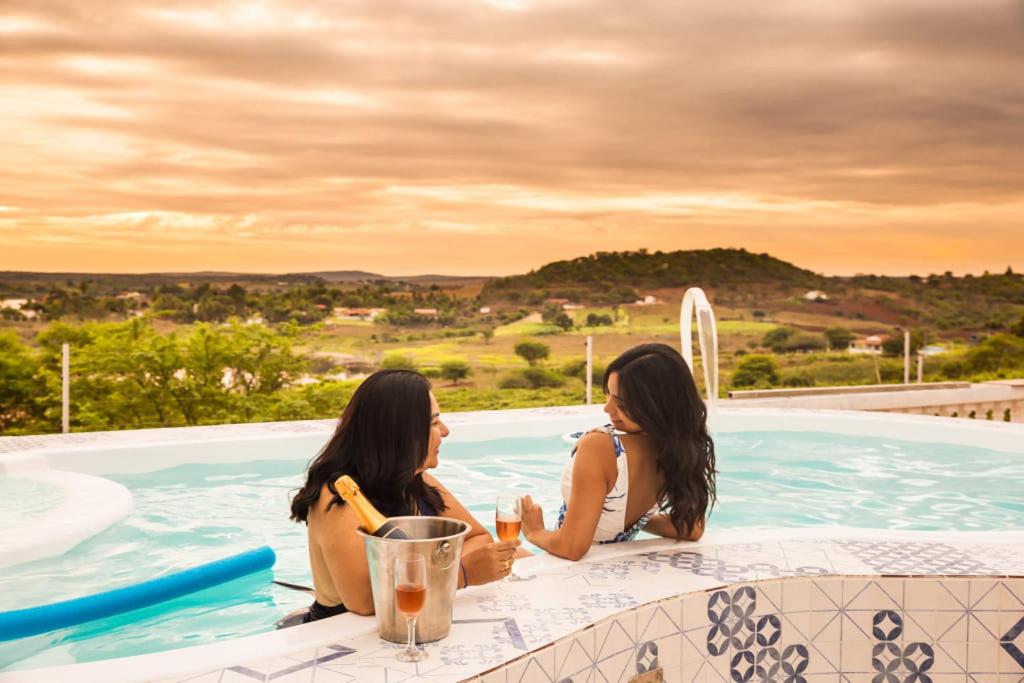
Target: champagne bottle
[(370, 519)]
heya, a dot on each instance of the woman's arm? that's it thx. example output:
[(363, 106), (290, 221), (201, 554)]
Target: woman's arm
[(662, 526), (478, 536), (483, 560), (344, 553), (592, 478)]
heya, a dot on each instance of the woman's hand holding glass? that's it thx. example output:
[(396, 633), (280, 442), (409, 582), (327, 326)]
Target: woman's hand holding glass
[(490, 562)]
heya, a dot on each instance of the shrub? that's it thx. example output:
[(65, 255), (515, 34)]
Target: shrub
[(953, 369), (513, 380), (578, 368), (798, 379), (775, 337), (801, 341), (754, 370), (531, 378), (398, 361), (1018, 328), (996, 352)]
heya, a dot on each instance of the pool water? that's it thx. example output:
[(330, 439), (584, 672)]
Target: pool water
[(188, 515), (16, 491)]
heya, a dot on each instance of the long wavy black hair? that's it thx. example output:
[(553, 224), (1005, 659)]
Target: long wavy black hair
[(657, 391), (382, 438)]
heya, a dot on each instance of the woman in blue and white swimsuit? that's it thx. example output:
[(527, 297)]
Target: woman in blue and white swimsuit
[(651, 469)]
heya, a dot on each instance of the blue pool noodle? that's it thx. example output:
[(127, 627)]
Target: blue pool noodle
[(31, 621)]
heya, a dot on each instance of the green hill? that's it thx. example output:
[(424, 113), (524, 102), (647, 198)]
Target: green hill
[(593, 276)]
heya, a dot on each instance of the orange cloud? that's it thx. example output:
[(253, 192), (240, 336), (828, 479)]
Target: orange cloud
[(466, 136)]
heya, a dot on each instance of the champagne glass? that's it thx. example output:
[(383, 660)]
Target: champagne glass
[(410, 594), (508, 521)]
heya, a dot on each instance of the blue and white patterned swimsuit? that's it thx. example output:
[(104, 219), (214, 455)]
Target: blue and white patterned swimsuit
[(611, 525)]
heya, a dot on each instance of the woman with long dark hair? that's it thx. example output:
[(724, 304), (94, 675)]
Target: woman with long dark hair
[(652, 468), (387, 438)]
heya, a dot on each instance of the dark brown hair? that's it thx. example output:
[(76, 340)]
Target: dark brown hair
[(658, 393), (381, 439)]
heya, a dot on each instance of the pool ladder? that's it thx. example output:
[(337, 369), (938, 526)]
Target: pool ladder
[(696, 305)]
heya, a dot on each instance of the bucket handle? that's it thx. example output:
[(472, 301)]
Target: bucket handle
[(441, 553)]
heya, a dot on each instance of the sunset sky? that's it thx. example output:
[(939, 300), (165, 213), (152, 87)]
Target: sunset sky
[(475, 137)]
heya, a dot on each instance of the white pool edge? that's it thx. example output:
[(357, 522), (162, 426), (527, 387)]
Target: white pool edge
[(184, 662)]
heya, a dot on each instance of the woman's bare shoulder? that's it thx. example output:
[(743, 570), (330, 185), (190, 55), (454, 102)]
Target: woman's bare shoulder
[(596, 441), (596, 449)]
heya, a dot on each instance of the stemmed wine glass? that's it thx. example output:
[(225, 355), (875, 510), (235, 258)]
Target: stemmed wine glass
[(508, 521), (410, 594)]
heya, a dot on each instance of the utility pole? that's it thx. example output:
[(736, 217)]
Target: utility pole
[(906, 356), (590, 369), (65, 383)]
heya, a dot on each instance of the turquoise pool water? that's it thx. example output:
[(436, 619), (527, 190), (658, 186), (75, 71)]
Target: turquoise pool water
[(14, 491), (192, 514)]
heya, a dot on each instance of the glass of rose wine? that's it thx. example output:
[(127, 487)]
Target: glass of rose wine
[(508, 521), (410, 594)]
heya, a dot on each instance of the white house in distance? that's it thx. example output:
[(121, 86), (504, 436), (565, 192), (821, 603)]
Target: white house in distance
[(647, 301), (427, 312), (356, 313), (816, 295), (14, 304), (18, 305), (869, 345)]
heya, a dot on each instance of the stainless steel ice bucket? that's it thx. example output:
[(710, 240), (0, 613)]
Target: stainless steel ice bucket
[(439, 541)]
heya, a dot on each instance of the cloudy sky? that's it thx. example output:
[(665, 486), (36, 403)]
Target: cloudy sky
[(475, 137)]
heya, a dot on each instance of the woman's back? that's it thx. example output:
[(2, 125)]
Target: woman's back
[(320, 523), (652, 468), (645, 480), (632, 481)]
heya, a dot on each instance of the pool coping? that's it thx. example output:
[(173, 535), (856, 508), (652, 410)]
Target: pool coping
[(183, 663)]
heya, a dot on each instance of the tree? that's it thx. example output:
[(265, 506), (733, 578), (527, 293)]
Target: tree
[(398, 361), (754, 370), (455, 370), (532, 351), (774, 338), (893, 346), (564, 321), (19, 388), (1000, 351), (596, 320), (1018, 328), (839, 338), (488, 334)]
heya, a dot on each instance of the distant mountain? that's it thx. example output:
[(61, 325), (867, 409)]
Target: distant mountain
[(199, 277), (363, 276), (144, 279), (344, 276)]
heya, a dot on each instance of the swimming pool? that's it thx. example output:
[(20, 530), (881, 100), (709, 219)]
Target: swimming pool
[(192, 512)]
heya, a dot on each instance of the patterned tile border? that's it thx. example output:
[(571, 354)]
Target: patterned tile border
[(793, 611)]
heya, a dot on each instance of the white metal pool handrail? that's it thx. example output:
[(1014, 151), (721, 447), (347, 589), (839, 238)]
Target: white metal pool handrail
[(695, 304)]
